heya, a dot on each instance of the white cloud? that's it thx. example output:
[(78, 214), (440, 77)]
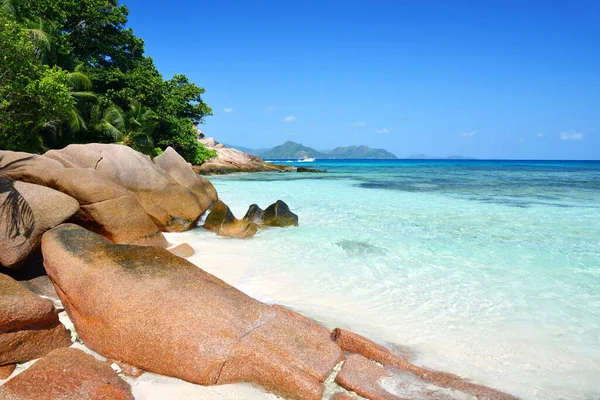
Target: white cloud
[(571, 135), (358, 124), (539, 134), (290, 118), (228, 110), (269, 109), (468, 134), (383, 130)]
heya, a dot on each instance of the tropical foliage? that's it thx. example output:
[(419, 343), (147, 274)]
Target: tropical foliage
[(71, 72)]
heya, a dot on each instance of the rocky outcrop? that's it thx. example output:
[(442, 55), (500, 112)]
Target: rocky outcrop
[(29, 326), (26, 212), (364, 377), (353, 343), (222, 221), (182, 172), (172, 206), (122, 303), (277, 214), (7, 370), (105, 207), (230, 160), (67, 374)]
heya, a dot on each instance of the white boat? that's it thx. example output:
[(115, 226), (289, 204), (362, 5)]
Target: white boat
[(307, 159)]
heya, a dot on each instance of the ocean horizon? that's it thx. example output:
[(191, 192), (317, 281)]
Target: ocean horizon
[(485, 268)]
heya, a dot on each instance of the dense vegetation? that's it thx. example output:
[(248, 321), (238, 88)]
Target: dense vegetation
[(70, 72)]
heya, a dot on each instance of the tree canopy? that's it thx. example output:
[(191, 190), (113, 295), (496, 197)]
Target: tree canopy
[(71, 68)]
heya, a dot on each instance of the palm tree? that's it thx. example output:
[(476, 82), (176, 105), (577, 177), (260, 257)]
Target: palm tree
[(132, 128), (57, 133), (37, 29), (81, 92)]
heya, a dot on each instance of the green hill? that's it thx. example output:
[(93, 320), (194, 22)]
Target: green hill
[(363, 152), (292, 150)]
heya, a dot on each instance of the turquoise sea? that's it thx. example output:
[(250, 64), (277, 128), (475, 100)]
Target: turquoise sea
[(488, 269)]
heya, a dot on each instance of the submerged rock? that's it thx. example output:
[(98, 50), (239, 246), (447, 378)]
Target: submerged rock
[(222, 221), (313, 170), (67, 374), (26, 212), (356, 247), (122, 302)]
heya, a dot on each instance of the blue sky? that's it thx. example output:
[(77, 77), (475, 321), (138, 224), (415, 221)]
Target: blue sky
[(487, 79)]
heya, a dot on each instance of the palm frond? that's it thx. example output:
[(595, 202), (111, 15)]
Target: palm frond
[(80, 82), (76, 121), (115, 117), (84, 96), (15, 213), (40, 40), (7, 9)]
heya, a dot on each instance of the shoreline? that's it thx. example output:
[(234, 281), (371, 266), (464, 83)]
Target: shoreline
[(326, 250)]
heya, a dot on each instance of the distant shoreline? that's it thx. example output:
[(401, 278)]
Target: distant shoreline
[(431, 159)]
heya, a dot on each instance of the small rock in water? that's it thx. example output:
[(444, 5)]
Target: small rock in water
[(222, 221), (279, 214), (254, 214), (183, 250)]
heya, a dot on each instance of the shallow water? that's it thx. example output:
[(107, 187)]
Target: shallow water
[(488, 269)]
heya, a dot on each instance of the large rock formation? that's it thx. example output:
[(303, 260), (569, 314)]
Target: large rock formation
[(26, 212), (180, 170), (173, 207), (29, 326), (158, 312), (105, 207), (230, 160), (222, 221), (67, 374)]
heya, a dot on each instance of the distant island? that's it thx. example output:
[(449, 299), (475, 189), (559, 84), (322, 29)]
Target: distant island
[(293, 150), (426, 157)]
